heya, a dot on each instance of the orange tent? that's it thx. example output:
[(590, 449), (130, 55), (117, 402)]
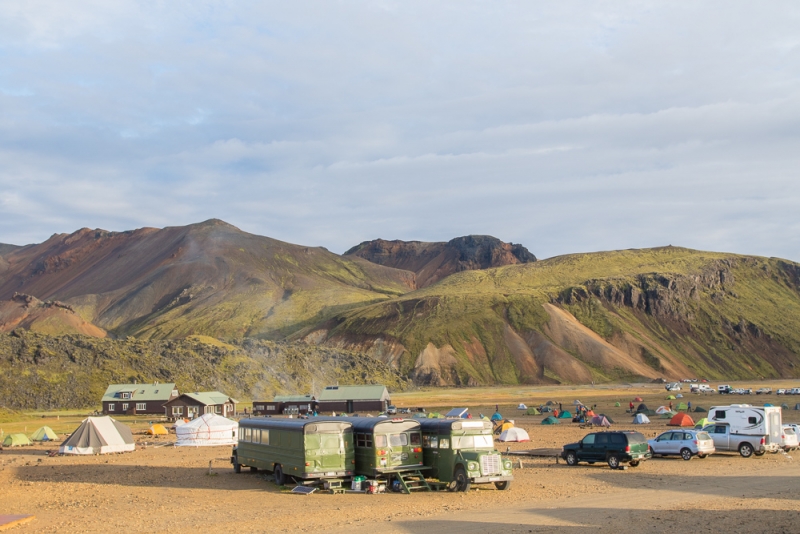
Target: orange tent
[(590, 413), (637, 399), (681, 419)]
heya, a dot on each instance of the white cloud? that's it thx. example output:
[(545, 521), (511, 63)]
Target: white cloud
[(567, 127)]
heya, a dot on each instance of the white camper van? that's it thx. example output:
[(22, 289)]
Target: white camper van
[(745, 428)]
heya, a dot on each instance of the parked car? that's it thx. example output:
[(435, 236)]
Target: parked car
[(615, 448), (683, 443), (789, 440), (391, 410), (404, 410), (763, 391), (780, 392)]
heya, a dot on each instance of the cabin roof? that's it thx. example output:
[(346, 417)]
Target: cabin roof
[(140, 392), (346, 393)]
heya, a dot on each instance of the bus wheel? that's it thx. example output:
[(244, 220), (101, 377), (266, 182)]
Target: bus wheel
[(237, 467), (253, 469), (503, 486), (280, 479), (460, 476)]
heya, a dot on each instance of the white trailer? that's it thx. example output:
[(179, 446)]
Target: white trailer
[(745, 428)]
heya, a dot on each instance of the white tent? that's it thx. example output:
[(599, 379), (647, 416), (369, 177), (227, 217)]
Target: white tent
[(577, 403), (514, 433), (662, 409), (522, 407), (209, 429), (99, 435), (641, 419)]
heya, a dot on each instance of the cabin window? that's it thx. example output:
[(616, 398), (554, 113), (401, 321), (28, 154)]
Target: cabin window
[(125, 396), (177, 410), (259, 407), (719, 414), (125, 407), (270, 408), (218, 408), (111, 407), (444, 443), (380, 441), (752, 420), (415, 438), (141, 406), (398, 440), (430, 442)]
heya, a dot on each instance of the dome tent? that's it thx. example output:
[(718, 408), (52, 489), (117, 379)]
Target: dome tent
[(496, 416), (522, 407), (662, 409), (551, 403), (637, 399), (599, 420), (679, 396), (616, 404), (514, 434), (577, 403), (16, 440), (641, 419), (607, 417), (681, 419), (670, 397), (157, 430), (565, 415), (702, 423), (642, 408), (99, 435), (208, 430), (700, 409), (532, 411), (682, 406), (550, 421), (45, 433)]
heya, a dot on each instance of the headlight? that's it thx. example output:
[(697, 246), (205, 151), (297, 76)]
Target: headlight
[(508, 465), (472, 466)]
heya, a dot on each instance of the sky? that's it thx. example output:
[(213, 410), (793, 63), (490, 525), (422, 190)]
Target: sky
[(565, 126)]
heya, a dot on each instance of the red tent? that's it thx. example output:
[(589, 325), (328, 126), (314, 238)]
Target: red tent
[(681, 419), (637, 399)]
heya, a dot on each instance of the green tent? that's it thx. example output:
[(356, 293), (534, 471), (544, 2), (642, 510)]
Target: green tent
[(785, 406), (670, 397), (565, 415), (550, 421), (700, 409), (16, 440), (616, 405), (701, 423), (44, 434), (533, 411), (668, 414), (435, 415), (682, 406)]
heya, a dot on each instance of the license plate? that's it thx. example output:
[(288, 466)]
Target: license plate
[(492, 479), (330, 473)]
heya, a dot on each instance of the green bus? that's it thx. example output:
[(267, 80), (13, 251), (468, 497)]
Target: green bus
[(461, 452), (308, 450), (385, 447)]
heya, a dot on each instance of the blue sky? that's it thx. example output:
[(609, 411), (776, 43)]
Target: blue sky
[(564, 126)]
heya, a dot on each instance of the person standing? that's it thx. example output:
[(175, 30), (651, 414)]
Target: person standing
[(689, 406), (630, 405)]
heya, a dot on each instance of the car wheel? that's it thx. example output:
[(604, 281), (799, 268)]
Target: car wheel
[(746, 450), (702, 456), (760, 453), (613, 461), (572, 458), (503, 486), (280, 478), (237, 467), (686, 454), (635, 463), (460, 476)]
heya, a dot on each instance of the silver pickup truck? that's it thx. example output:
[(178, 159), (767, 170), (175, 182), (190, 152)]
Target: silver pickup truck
[(746, 445)]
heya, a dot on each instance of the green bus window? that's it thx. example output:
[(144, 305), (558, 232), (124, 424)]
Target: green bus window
[(415, 438), (380, 441), (398, 440), (361, 440), (444, 444), (434, 442), (265, 437)]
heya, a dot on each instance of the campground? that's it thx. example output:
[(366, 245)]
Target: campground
[(161, 488)]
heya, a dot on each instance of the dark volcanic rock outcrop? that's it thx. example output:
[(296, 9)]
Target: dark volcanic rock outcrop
[(433, 261)]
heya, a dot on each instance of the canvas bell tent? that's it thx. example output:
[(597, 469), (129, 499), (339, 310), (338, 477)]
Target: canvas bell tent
[(99, 435), (208, 430), (45, 433)]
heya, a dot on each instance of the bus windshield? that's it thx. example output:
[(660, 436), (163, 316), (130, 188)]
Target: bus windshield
[(473, 442), (398, 440)]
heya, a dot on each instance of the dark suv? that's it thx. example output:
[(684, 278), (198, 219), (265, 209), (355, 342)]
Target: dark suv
[(612, 447)]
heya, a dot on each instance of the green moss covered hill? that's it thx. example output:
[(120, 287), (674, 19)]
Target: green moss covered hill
[(44, 372), (625, 315)]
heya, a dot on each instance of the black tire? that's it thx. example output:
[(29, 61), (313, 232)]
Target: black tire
[(746, 450), (760, 453), (462, 481), (253, 469), (572, 458), (503, 486), (237, 467), (702, 456), (634, 463), (613, 461), (686, 454), (280, 478)]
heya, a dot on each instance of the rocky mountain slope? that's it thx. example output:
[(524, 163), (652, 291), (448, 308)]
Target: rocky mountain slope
[(626, 315), (44, 372), (203, 278), (48, 317), (432, 262)]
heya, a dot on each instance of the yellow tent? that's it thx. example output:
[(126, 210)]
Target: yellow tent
[(506, 425), (157, 430)]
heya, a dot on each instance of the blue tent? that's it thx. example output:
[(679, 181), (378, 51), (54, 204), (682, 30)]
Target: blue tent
[(497, 417)]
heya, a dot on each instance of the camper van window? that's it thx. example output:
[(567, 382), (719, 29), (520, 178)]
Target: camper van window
[(752, 420), (398, 440), (415, 438), (444, 444), (719, 414), (430, 442), (380, 441)]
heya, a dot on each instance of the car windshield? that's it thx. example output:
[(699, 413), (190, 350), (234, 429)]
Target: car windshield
[(789, 431), (703, 435), (473, 442)]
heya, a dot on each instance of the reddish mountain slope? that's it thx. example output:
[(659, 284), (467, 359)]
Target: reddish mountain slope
[(51, 318), (208, 278), (433, 261)]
